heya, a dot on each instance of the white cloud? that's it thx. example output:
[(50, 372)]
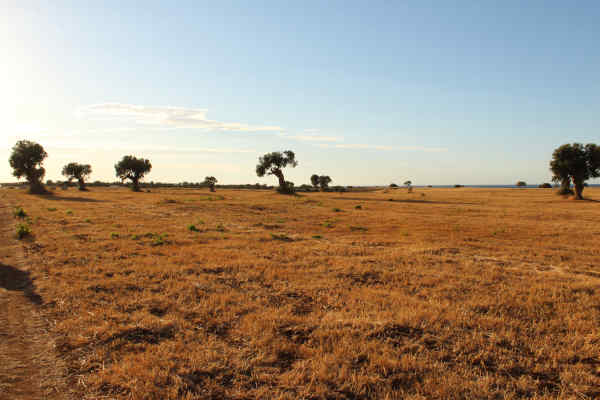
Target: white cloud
[(169, 117)]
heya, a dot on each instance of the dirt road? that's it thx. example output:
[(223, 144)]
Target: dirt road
[(29, 368)]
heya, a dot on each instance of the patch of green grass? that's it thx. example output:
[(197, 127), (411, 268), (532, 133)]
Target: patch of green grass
[(159, 239), (317, 237), (23, 231), (52, 209), (192, 228), (358, 228), (19, 212), (114, 235), (87, 221), (69, 212), (328, 224), (135, 237)]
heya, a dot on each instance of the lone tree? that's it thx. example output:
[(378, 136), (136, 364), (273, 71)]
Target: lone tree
[(77, 171), (521, 184), (134, 169), (322, 181), (210, 181), (408, 186), (314, 179), (577, 163), (26, 161), (272, 163)]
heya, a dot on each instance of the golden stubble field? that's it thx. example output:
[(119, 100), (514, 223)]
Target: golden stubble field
[(438, 294)]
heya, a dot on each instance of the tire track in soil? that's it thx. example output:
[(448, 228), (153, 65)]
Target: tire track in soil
[(29, 367)]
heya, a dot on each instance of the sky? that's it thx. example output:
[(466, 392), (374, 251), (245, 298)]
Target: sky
[(369, 93)]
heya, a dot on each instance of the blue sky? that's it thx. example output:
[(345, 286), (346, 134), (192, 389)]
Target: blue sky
[(469, 92)]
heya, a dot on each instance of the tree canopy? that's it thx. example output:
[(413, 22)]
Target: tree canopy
[(273, 163), (210, 181), (77, 171), (26, 161), (577, 163), (132, 168)]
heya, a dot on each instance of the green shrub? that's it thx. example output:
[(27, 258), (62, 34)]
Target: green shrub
[(337, 209), (23, 231), (52, 209), (317, 237), (19, 213), (135, 237), (87, 220), (69, 212), (114, 235), (358, 207), (358, 228), (193, 228)]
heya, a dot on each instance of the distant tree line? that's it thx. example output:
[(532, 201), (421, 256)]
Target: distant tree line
[(570, 164)]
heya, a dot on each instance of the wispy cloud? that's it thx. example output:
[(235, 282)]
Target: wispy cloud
[(169, 117), (384, 148), (315, 138)]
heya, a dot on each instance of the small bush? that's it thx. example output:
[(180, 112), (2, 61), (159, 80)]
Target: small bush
[(192, 228), (221, 228), (87, 221), (114, 235), (288, 188), (545, 186), (358, 228), (19, 213), (23, 231), (358, 207), (328, 224), (52, 209), (135, 237), (317, 237), (337, 209), (69, 212)]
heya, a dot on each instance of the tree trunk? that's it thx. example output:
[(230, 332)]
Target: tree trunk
[(37, 187), (212, 188), (81, 184), (279, 176), (136, 184), (578, 189)]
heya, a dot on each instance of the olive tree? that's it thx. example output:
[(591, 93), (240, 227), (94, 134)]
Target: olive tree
[(320, 181), (314, 179), (77, 171), (26, 161), (273, 163), (577, 163), (210, 181), (134, 169)]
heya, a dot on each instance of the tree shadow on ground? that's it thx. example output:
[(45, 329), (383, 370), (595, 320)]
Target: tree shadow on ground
[(14, 279), (414, 201)]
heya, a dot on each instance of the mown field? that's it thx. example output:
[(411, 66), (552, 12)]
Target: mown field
[(438, 294)]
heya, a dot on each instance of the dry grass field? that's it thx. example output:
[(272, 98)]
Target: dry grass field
[(438, 294)]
